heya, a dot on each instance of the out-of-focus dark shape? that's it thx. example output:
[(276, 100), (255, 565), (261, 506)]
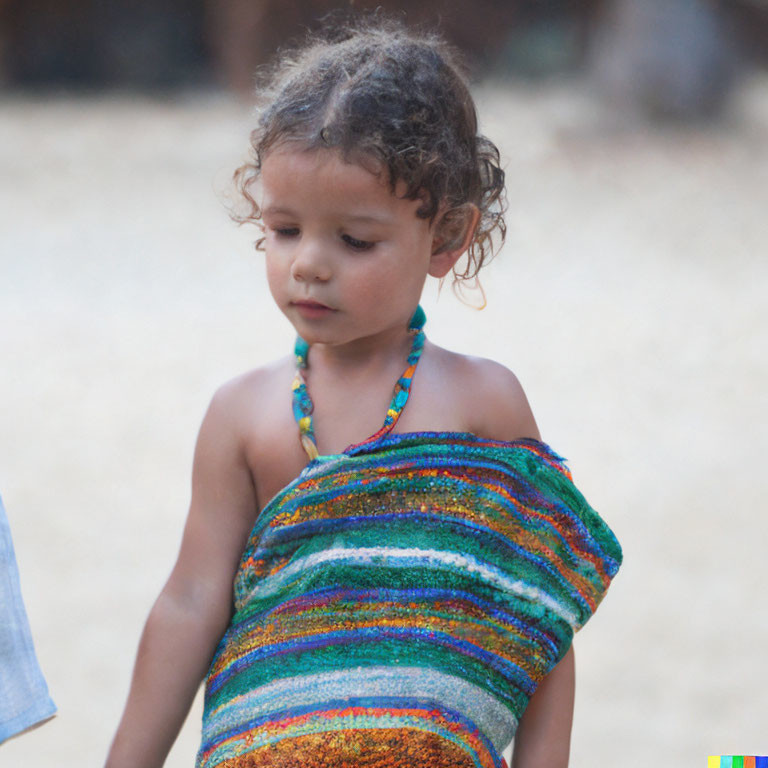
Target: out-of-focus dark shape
[(244, 34), (550, 37), (665, 59), (134, 43), (151, 43), (750, 19), (524, 37)]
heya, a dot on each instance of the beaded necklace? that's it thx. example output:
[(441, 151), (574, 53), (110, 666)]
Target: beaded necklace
[(303, 405)]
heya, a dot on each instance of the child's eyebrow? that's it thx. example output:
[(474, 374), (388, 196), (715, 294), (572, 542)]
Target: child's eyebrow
[(277, 210), (357, 218), (369, 218)]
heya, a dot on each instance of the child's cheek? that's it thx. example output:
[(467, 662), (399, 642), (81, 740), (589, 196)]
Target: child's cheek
[(277, 273)]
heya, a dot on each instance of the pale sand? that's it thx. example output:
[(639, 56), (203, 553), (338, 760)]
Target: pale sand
[(630, 300)]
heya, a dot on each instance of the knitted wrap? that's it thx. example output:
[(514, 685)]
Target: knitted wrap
[(398, 604)]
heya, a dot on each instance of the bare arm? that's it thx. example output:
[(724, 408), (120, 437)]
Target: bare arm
[(543, 738), (194, 608)]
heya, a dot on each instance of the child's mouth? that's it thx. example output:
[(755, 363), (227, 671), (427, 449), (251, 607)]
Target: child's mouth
[(312, 308)]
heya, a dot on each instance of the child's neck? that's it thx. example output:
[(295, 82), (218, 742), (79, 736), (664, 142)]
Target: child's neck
[(367, 355)]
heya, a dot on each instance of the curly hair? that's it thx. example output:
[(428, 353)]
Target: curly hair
[(377, 90)]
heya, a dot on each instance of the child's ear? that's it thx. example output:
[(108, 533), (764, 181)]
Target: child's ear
[(454, 232)]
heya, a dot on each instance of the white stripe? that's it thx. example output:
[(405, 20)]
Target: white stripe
[(390, 557), (488, 713)]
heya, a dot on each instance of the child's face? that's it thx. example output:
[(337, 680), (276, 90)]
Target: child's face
[(346, 259)]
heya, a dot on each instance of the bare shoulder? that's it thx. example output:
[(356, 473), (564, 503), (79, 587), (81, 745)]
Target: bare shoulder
[(243, 398), (236, 421), (222, 443), (238, 413), (499, 403), (490, 396)]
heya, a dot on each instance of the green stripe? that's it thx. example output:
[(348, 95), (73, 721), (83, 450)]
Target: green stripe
[(388, 652), (380, 577)]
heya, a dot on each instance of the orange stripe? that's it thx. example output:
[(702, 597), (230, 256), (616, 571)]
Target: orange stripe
[(471, 737)]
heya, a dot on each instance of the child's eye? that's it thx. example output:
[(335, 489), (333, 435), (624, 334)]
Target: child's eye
[(286, 231), (358, 245)]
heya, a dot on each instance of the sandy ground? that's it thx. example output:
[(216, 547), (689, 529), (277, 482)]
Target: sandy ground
[(629, 300)]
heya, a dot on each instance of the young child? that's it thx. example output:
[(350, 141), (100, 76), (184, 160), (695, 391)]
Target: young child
[(409, 568)]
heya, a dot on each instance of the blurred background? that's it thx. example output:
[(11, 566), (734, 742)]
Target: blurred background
[(629, 298), (672, 55)]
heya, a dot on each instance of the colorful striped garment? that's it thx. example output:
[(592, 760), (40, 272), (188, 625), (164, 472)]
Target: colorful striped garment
[(397, 604)]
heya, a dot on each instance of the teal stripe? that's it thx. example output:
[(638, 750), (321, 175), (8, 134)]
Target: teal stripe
[(383, 651)]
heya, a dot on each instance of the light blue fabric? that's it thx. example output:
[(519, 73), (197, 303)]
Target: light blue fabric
[(24, 699)]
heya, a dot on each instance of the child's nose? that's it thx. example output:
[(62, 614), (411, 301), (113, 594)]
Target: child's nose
[(310, 262)]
